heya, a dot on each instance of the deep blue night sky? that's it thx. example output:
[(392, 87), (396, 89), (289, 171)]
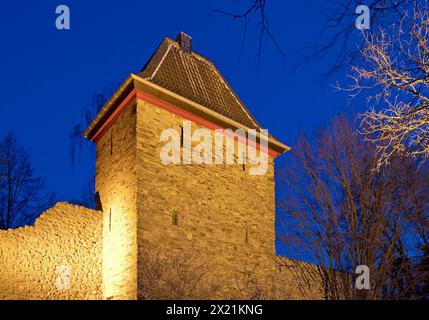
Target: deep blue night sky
[(48, 76)]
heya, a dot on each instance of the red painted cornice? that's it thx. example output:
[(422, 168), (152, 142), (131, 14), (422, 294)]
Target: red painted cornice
[(137, 94)]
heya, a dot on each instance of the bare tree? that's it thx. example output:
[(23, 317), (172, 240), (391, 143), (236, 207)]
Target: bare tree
[(88, 196), (79, 146), (423, 272), (339, 36), (190, 274), (396, 72), (21, 194), (247, 287), (88, 114), (257, 9), (182, 275), (248, 284), (338, 213)]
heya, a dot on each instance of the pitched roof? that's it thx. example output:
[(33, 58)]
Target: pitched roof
[(183, 78), (194, 77)]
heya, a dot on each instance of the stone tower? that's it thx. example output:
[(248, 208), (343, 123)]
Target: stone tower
[(218, 210)]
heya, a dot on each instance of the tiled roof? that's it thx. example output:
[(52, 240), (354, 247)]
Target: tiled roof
[(196, 78)]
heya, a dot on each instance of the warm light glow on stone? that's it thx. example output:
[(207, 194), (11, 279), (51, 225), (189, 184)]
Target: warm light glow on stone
[(59, 258)]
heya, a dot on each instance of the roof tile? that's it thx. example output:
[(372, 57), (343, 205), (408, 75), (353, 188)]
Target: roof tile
[(196, 78)]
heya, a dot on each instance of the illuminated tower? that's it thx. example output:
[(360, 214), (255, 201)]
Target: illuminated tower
[(221, 210)]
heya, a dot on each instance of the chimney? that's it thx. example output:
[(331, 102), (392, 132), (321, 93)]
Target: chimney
[(185, 42)]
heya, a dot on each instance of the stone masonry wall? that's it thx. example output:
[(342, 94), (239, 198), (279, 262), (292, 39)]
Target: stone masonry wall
[(32, 259), (219, 217), (115, 182), (220, 213), (224, 213)]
